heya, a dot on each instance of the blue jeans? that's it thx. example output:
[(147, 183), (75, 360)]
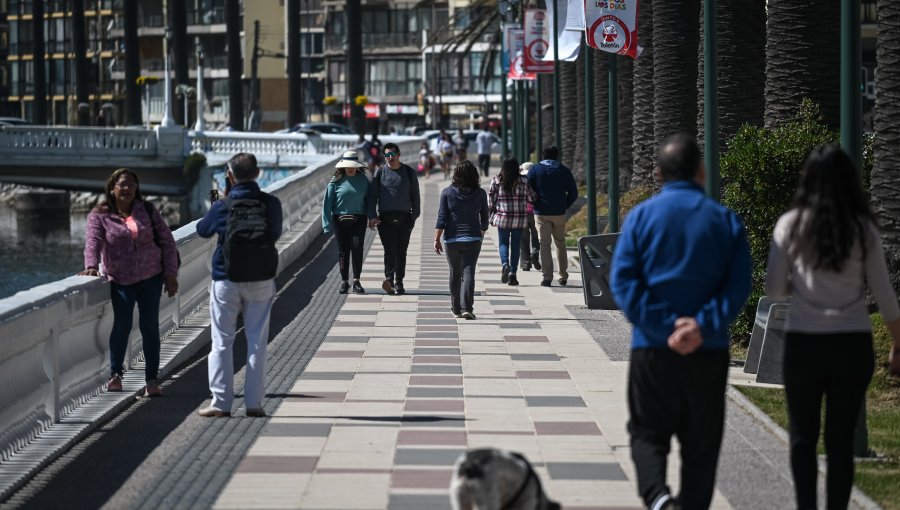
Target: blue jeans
[(510, 249), (146, 294)]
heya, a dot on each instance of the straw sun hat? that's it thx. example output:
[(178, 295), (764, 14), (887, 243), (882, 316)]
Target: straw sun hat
[(350, 159)]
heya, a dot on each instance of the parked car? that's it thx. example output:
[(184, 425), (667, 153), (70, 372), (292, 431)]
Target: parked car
[(325, 128)]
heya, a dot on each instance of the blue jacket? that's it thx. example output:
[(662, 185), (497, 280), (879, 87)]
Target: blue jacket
[(681, 254), (350, 195), (462, 214), (217, 217), (554, 187)]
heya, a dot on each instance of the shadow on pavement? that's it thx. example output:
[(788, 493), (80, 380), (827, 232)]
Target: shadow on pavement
[(96, 468)]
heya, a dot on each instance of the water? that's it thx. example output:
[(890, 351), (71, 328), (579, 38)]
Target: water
[(41, 247)]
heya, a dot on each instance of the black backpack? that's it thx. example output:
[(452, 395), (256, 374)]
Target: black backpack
[(249, 245)]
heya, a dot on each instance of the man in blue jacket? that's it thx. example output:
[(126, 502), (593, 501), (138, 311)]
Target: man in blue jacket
[(680, 273), (556, 191), (251, 294)]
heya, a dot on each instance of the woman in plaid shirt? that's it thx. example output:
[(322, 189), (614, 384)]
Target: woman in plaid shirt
[(508, 200)]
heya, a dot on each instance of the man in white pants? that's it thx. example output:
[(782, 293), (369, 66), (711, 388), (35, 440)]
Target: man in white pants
[(248, 222)]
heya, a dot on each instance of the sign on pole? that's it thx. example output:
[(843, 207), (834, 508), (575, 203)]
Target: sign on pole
[(516, 46), (611, 26), (536, 41)]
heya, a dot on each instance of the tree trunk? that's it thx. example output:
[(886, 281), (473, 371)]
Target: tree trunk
[(79, 47), (741, 67), (677, 24), (802, 56), (133, 114), (355, 72), (235, 65), (294, 64), (568, 115), (549, 137), (576, 157), (644, 137), (180, 50), (601, 117), (885, 191), (626, 121), (40, 74)]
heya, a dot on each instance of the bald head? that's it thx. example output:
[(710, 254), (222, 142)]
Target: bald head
[(679, 158)]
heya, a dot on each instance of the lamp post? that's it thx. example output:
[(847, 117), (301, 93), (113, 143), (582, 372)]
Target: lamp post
[(167, 120), (185, 92), (201, 96)]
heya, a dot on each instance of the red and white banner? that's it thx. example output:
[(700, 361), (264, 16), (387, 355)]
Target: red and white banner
[(536, 41), (611, 26), (515, 45)]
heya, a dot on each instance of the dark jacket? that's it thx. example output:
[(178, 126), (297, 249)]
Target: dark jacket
[(462, 214), (216, 219), (397, 190), (554, 186)]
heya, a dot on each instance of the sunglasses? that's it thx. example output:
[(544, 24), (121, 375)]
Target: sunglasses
[(391, 154)]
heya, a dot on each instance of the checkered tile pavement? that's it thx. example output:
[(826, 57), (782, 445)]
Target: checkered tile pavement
[(399, 389)]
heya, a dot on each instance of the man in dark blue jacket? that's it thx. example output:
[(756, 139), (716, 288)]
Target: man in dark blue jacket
[(681, 274), (556, 191), (227, 298)]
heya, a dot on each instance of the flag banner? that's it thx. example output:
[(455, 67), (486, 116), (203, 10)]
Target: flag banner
[(536, 41), (515, 45), (612, 26), (504, 42), (567, 29)]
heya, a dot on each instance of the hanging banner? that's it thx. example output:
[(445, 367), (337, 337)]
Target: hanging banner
[(504, 43), (612, 26), (569, 27), (515, 46), (536, 41)]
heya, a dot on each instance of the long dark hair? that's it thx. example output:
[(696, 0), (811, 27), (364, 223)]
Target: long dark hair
[(832, 212), (465, 176), (509, 174), (109, 205)]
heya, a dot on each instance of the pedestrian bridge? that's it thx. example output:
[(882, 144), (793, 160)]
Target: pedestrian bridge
[(81, 158)]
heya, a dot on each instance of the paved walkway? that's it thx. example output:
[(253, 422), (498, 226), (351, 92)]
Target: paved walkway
[(399, 389)]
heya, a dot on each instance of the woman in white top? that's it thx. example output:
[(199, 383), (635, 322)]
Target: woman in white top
[(824, 250)]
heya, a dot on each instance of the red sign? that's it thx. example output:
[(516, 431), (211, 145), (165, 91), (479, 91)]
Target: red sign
[(373, 111), (536, 41)]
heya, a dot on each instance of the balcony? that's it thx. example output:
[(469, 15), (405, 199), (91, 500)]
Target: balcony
[(206, 17), (399, 41)]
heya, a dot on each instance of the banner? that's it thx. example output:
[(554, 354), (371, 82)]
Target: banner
[(536, 41), (569, 27), (515, 46), (612, 26)]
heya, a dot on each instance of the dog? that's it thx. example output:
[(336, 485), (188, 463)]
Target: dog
[(494, 479)]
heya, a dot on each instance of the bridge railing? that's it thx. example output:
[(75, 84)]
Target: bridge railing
[(54, 353), (51, 141)]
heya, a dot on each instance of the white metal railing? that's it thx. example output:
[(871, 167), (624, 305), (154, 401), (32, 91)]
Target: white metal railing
[(54, 353), (51, 140)]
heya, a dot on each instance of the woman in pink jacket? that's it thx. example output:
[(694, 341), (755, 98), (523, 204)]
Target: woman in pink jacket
[(138, 255)]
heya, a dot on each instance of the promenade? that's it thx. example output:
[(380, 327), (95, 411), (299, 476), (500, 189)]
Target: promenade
[(372, 398)]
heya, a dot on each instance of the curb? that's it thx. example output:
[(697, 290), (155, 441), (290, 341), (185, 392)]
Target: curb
[(858, 498)]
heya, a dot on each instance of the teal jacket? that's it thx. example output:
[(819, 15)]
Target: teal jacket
[(350, 195)]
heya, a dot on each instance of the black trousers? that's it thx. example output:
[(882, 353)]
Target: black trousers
[(462, 258), (531, 244), (670, 394), (838, 367), (351, 239), (395, 239), (484, 163)]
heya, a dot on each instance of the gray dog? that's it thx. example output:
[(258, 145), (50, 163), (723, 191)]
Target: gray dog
[(494, 479)]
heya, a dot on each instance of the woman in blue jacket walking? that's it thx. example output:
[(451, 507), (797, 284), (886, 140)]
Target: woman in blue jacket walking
[(347, 207), (462, 222)]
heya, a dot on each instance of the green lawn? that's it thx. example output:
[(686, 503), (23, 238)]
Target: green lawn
[(880, 477)]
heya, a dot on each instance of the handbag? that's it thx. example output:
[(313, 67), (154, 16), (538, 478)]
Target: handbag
[(347, 220), (149, 208)]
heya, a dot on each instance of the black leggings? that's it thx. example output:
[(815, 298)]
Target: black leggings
[(838, 367), (351, 239)]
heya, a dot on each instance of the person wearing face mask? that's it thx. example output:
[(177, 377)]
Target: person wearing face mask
[(130, 244)]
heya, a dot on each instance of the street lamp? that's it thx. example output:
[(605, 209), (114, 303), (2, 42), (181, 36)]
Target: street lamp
[(186, 92)]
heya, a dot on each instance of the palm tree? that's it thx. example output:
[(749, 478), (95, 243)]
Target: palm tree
[(741, 67), (626, 121), (675, 66), (40, 75), (235, 88), (568, 113), (601, 117), (802, 52), (885, 191), (79, 47), (133, 115), (576, 157), (179, 50), (643, 134)]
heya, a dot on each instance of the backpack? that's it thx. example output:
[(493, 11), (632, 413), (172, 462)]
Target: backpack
[(249, 245)]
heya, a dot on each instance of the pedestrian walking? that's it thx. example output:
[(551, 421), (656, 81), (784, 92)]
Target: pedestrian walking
[(823, 251), (680, 273), (398, 206), (426, 160), (348, 206), (461, 223), (244, 263), (365, 147), (128, 242), (555, 191), (484, 142), (460, 146), (508, 201), (530, 251), (445, 147)]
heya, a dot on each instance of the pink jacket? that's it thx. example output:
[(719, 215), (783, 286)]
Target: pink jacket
[(126, 260)]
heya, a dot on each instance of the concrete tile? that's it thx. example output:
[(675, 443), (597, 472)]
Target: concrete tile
[(554, 401), (297, 429), (586, 471), (262, 491), (436, 369), (427, 456), (408, 437), (421, 479), (329, 491), (431, 392), (419, 501), (277, 464)]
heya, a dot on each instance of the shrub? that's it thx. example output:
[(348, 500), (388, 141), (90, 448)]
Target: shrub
[(192, 166), (760, 172)]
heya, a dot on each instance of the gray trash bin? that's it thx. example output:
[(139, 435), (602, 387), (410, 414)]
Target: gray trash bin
[(595, 256)]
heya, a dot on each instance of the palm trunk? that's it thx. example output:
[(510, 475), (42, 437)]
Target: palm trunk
[(576, 158), (79, 47), (133, 114), (568, 115), (180, 51), (626, 121), (675, 66), (802, 55), (885, 191), (40, 75), (601, 117), (643, 133), (235, 67)]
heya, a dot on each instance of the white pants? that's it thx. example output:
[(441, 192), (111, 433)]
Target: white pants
[(253, 300)]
